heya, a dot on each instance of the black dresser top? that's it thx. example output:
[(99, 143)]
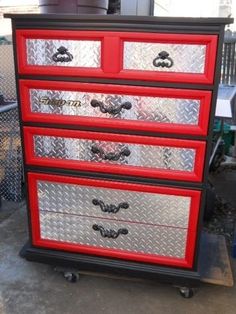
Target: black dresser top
[(118, 22)]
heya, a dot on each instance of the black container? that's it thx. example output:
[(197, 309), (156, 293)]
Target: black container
[(74, 6)]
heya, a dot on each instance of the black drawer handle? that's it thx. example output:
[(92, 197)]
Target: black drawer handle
[(109, 233), (111, 110), (62, 55), (110, 156), (163, 60), (109, 208)]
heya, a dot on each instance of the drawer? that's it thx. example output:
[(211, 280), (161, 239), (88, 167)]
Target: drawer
[(59, 52), (169, 57), (137, 56), (115, 153), (117, 201), (133, 240), (115, 106)]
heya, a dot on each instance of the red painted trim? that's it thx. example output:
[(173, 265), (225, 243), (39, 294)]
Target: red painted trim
[(150, 258), (33, 207), (110, 41), (111, 55), (196, 175), (200, 129)]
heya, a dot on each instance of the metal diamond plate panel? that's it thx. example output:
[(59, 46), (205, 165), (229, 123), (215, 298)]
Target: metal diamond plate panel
[(159, 109), (161, 157), (160, 209), (186, 58), (85, 53), (141, 238)]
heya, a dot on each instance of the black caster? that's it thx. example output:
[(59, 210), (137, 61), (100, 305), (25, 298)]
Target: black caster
[(71, 276), (186, 292)]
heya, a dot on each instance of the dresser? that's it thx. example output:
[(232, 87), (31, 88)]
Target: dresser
[(116, 123)]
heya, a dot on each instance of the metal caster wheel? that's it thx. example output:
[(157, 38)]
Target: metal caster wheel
[(71, 277), (70, 274), (186, 292)]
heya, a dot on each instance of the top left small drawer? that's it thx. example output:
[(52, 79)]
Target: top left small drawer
[(53, 52)]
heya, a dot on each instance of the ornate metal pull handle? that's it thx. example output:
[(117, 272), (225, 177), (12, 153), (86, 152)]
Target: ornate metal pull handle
[(110, 156), (109, 233), (163, 60), (62, 55), (111, 110), (109, 208)]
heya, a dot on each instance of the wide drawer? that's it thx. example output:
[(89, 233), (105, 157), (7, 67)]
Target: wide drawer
[(118, 201), (142, 241), (116, 106), (136, 56), (115, 153)]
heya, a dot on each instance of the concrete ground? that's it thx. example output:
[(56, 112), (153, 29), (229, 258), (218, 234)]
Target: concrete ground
[(32, 288)]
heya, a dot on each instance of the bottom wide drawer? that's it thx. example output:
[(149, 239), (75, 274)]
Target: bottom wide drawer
[(106, 233), (56, 225)]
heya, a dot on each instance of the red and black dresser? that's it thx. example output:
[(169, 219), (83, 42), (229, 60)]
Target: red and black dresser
[(116, 120)]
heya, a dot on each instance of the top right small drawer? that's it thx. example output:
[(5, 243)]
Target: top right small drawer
[(179, 58)]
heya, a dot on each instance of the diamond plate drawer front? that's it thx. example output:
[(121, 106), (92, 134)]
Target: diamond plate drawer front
[(116, 153), (152, 208), (155, 109), (185, 58), (141, 238), (66, 214), (155, 157), (42, 52), (147, 109)]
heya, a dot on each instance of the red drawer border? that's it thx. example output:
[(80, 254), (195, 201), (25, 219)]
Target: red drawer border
[(115, 253), (200, 129), (112, 49), (196, 175)]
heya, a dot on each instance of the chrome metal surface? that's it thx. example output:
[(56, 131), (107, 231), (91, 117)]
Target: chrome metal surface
[(151, 156), (152, 208), (158, 109), (86, 53), (141, 238), (186, 58)]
